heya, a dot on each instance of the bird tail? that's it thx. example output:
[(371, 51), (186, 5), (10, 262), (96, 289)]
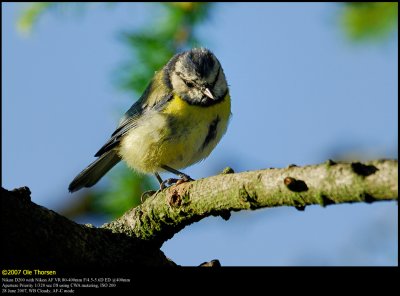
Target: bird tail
[(93, 173)]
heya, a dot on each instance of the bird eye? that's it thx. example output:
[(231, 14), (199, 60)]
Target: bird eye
[(188, 83)]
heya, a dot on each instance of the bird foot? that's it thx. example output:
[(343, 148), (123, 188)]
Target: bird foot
[(145, 195), (184, 178)]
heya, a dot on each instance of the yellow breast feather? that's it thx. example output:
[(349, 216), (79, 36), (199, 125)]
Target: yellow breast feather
[(178, 136)]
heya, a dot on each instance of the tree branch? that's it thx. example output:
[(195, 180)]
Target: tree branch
[(165, 214), (34, 236)]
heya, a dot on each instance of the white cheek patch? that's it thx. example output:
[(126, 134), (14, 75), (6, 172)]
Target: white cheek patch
[(177, 84), (195, 93)]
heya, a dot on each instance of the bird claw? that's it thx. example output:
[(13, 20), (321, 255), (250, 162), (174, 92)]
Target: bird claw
[(145, 195), (184, 178)]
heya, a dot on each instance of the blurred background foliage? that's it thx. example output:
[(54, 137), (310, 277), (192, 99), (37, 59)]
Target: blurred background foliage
[(369, 20), (172, 28)]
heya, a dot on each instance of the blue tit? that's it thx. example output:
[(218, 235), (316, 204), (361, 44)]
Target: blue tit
[(178, 121)]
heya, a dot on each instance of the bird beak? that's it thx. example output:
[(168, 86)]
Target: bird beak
[(208, 93)]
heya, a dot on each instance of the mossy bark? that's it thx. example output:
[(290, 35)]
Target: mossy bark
[(35, 235), (163, 215)]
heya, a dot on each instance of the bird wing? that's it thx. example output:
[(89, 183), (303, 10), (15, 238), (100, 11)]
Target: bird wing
[(154, 98), (126, 123)]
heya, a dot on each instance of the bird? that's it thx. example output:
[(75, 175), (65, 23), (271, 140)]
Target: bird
[(178, 121)]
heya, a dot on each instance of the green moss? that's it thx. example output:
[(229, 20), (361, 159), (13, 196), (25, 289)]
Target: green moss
[(227, 170), (329, 163)]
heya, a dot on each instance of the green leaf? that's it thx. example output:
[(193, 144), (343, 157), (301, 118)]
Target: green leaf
[(370, 20), (29, 16)]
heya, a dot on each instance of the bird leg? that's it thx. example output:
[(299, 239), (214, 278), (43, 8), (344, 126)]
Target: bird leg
[(163, 184), (183, 177), (145, 195)]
